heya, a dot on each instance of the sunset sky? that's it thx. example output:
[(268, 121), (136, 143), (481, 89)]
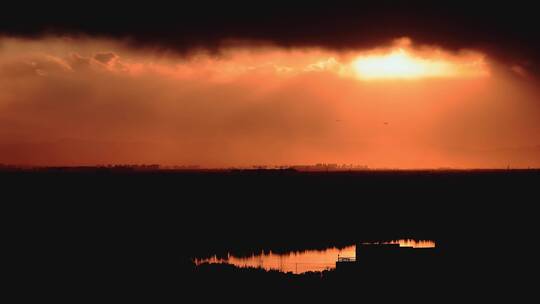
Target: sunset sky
[(379, 85)]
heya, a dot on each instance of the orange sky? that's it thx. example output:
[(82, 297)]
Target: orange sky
[(67, 101)]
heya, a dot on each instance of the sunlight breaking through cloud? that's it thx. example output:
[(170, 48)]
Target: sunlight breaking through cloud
[(91, 101)]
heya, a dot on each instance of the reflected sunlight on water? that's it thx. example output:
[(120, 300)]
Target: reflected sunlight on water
[(299, 262), (409, 243)]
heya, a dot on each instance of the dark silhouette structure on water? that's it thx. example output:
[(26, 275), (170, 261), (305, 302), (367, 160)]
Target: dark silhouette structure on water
[(389, 260)]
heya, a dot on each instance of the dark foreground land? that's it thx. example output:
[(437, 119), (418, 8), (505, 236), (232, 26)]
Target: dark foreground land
[(114, 235)]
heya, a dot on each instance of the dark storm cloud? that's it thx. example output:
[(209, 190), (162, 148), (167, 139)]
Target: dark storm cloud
[(505, 29), (507, 32)]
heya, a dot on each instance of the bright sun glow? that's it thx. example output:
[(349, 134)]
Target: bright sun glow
[(401, 64)]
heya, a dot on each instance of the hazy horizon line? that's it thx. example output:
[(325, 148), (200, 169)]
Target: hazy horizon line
[(323, 167)]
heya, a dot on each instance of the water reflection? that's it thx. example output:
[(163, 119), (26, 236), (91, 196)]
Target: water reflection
[(408, 243), (297, 262)]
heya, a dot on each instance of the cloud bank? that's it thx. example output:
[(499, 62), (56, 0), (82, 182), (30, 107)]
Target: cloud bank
[(506, 31)]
